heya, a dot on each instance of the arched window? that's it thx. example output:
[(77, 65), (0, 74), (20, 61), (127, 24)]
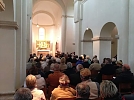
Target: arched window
[(41, 33)]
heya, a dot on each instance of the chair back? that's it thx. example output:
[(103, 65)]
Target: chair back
[(94, 73), (125, 88), (71, 98), (107, 77)]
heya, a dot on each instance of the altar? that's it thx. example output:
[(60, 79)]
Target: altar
[(43, 47)]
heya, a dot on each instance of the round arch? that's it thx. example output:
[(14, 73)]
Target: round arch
[(59, 4), (45, 12), (109, 42), (87, 42)]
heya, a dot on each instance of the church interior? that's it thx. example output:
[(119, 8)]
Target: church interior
[(62, 27)]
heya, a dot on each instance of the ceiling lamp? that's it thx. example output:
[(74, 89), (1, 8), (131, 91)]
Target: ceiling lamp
[(37, 25)]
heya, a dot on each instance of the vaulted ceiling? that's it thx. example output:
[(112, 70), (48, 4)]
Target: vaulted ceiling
[(47, 12)]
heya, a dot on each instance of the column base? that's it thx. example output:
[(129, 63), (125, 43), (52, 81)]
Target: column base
[(7, 96)]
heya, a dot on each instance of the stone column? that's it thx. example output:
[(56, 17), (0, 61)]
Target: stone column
[(78, 26), (29, 27), (21, 39), (63, 33)]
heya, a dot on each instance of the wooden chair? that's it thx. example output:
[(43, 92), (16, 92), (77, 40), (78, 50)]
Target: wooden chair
[(107, 77), (94, 73), (125, 88), (73, 98)]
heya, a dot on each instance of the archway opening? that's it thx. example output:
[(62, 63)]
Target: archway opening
[(108, 46), (46, 14), (87, 43)]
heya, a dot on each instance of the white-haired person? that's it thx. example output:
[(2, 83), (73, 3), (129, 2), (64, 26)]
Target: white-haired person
[(82, 91), (23, 94), (85, 74), (32, 85), (69, 70), (63, 90), (109, 91)]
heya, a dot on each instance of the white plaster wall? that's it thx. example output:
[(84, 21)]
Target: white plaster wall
[(70, 35), (131, 35), (105, 50), (7, 51), (88, 48), (7, 60), (102, 11)]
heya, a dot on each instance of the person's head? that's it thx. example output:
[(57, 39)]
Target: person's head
[(125, 67), (108, 61), (52, 66), (108, 89), (23, 94), (85, 74), (119, 63), (85, 60), (63, 60), (80, 58), (31, 81), (56, 67), (64, 80), (82, 90), (96, 61), (69, 65), (79, 67), (38, 65)]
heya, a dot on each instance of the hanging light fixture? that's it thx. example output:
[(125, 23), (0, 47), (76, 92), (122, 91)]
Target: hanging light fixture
[(37, 23)]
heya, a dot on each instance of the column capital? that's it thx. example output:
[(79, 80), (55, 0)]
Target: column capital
[(9, 24), (2, 6)]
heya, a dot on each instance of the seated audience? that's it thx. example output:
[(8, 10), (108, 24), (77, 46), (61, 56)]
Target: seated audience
[(63, 90), (80, 61), (129, 96), (95, 65), (109, 91), (50, 71), (94, 86), (89, 60), (40, 80), (107, 69), (31, 84), (53, 79), (75, 78), (62, 65), (23, 94), (82, 91), (69, 69), (118, 67), (86, 64), (125, 76)]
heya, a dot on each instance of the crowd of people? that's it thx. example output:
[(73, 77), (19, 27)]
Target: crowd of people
[(70, 76)]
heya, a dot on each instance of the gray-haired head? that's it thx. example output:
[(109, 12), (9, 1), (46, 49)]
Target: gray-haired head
[(79, 67), (108, 89), (23, 94), (69, 65), (52, 66), (83, 90)]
